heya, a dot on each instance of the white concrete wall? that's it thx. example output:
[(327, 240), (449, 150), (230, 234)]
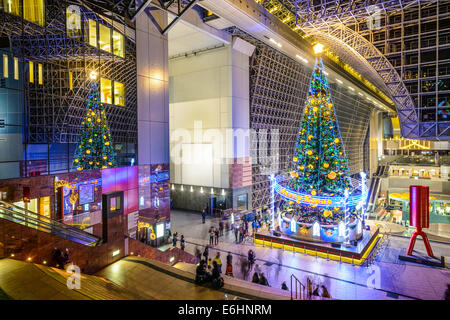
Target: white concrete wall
[(153, 89), (209, 98)]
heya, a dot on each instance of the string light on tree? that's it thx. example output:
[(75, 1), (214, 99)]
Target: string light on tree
[(94, 149)]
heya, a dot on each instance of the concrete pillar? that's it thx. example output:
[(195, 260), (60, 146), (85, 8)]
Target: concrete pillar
[(153, 88)]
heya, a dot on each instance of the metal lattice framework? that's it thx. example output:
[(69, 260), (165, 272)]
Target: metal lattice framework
[(54, 112), (345, 27), (278, 89)]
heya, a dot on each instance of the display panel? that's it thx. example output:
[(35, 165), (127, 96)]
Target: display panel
[(86, 193)]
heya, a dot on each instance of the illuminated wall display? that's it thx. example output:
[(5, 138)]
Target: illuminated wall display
[(308, 199), (160, 230)]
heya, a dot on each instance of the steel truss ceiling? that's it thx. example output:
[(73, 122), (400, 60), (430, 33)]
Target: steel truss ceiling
[(337, 24)]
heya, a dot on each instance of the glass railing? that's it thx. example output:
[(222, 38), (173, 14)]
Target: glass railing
[(33, 220)]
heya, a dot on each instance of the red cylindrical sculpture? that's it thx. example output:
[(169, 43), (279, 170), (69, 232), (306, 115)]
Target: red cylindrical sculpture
[(419, 200), (419, 204)]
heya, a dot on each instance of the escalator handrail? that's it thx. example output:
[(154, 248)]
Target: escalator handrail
[(30, 217)]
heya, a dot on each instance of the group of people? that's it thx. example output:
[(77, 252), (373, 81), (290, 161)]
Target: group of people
[(175, 240), (240, 231), (260, 278), (214, 234), (61, 258), (211, 269), (313, 290)]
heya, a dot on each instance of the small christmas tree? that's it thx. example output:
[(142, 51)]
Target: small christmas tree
[(320, 166), (94, 150)]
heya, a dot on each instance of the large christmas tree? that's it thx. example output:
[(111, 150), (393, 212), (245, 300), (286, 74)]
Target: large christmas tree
[(94, 150), (319, 165)]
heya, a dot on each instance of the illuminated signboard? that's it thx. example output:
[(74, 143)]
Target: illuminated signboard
[(160, 230), (320, 201)]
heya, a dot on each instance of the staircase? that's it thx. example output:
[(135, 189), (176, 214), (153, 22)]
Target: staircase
[(16, 214)]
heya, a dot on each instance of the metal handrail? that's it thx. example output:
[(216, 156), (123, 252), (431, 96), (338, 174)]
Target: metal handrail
[(31, 219), (299, 288)]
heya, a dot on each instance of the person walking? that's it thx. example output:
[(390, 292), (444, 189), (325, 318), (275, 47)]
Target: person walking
[(309, 288), (221, 228), (211, 236), (236, 233), (182, 242), (244, 268), (216, 236), (198, 254), (174, 239), (206, 253)]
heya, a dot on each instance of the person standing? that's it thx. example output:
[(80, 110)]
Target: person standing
[(236, 233), (218, 261), (203, 215), (211, 236), (182, 242), (174, 239)]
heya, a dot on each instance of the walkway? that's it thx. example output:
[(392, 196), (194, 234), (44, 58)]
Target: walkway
[(397, 279)]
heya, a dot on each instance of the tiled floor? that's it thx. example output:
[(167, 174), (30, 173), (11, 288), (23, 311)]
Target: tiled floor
[(397, 279)]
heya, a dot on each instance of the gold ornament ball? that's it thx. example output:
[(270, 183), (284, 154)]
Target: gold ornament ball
[(327, 213), (332, 175), (313, 192), (88, 151), (295, 159), (309, 152), (326, 165), (336, 140)]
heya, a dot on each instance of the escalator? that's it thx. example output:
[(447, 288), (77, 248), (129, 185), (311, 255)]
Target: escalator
[(16, 214), (375, 186)]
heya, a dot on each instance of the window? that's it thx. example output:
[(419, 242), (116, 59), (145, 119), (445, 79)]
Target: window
[(73, 21), (10, 6), (31, 71), (5, 66), (119, 94), (16, 68), (70, 80), (33, 10), (106, 91), (104, 38), (40, 81), (92, 33), (118, 44)]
